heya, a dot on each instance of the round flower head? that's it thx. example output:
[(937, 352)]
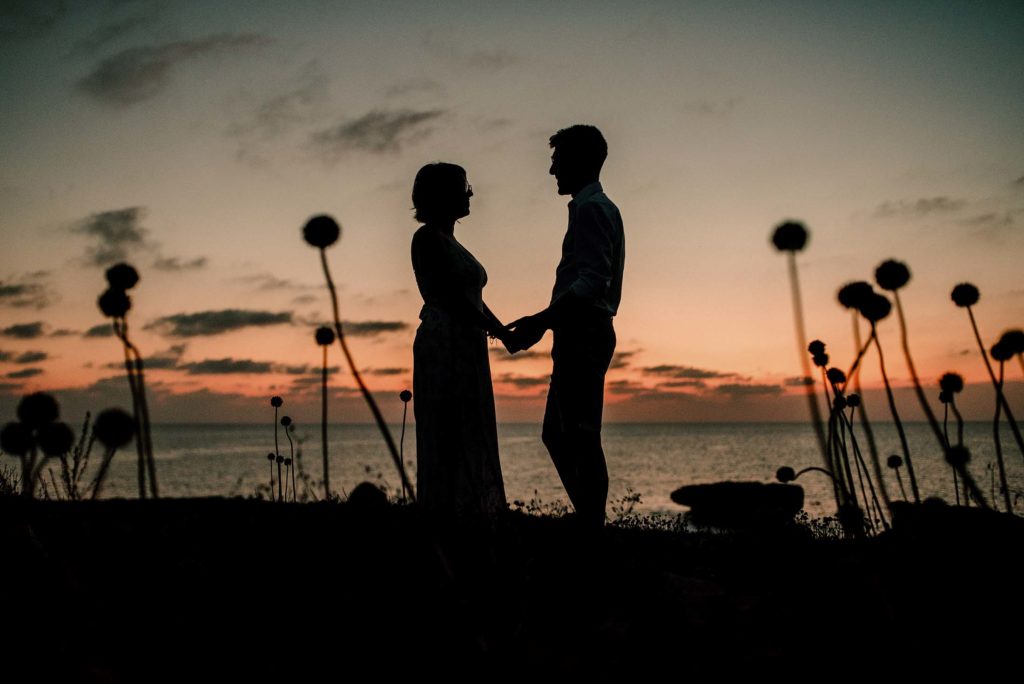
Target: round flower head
[(951, 383), (816, 347), (280, 459), (321, 231), (944, 397), (38, 409), (839, 403), (1014, 340), (785, 474), (790, 236), (114, 303), (114, 428), (892, 275), (15, 439), (286, 420), (122, 276), (894, 461), (56, 439), (1001, 351), (271, 457), (958, 456), (276, 401), (835, 376), (405, 396), (324, 336), (853, 400), (820, 360), (852, 295), (287, 461), (875, 308), (965, 294)]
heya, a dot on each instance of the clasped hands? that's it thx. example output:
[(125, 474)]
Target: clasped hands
[(522, 334)]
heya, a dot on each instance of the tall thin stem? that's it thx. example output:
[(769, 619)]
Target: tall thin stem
[(945, 433), (385, 432), (1003, 486), (801, 336), (291, 466), (929, 414), (121, 330), (865, 423), (323, 427), (896, 418), (401, 442), (1000, 397)]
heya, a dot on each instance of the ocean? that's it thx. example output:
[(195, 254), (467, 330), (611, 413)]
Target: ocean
[(646, 459)]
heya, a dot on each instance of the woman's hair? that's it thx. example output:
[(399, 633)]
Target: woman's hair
[(436, 188)]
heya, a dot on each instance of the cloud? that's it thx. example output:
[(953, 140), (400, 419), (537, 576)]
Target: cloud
[(9, 387), (101, 330), (64, 332), (304, 299), (492, 59), (24, 373), (926, 206), (140, 73), (692, 384), (626, 387), (278, 114), (386, 371), (371, 328), (621, 359), (176, 264), (31, 357), (502, 354), (525, 381), (686, 372), (6, 355), (24, 331), (226, 366), (116, 234), (992, 224), (267, 282), (27, 291), (203, 323), (379, 132), (738, 390), (798, 381), (1019, 181)]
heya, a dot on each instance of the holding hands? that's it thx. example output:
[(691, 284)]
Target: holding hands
[(522, 334)]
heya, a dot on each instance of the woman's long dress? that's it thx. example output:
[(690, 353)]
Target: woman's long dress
[(458, 471)]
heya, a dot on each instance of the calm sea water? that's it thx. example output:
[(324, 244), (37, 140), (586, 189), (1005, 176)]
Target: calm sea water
[(650, 459)]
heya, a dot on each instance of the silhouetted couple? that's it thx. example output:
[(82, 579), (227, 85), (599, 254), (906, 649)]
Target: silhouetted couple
[(456, 437)]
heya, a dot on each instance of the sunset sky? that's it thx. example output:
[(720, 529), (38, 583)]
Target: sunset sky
[(194, 139)]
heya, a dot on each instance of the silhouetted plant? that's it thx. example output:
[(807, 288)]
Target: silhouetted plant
[(280, 492), (322, 232), (892, 275), (958, 457), (851, 296), (286, 423), (876, 308), (271, 457), (1001, 352), (113, 428), (324, 338), (853, 402), (785, 474), (406, 396), (115, 304), (950, 385), (276, 402), (791, 237), (38, 430), (1014, 341), (16, 440), (966, 295)]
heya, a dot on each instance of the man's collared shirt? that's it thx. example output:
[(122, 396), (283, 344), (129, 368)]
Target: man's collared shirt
[(593, 251)]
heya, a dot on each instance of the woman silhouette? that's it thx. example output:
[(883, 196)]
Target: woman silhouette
[(458, 471)]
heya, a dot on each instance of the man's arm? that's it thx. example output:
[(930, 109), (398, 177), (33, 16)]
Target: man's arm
[(594, 241)]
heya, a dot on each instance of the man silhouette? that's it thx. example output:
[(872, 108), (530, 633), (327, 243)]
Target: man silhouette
[(588, 287)]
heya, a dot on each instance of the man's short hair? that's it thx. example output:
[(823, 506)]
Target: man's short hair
[(582, 144)]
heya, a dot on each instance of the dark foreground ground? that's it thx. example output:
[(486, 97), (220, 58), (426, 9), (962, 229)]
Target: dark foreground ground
[(233, 589)]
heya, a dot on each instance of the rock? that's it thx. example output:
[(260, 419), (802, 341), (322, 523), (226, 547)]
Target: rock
[(367, 496), (741, 504)]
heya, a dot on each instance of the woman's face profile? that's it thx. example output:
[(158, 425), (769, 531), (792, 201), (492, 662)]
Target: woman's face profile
[(464, 191)]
